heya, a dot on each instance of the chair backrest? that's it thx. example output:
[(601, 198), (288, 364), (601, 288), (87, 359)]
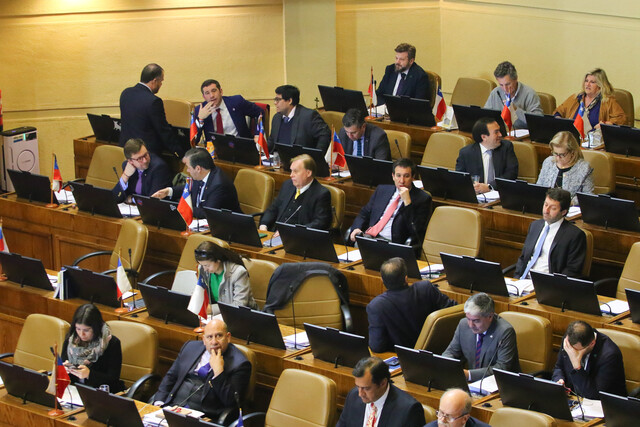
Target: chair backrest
[(472, 91), (260, 272), (625, 99), (604, 171), (442, 150), (314, 408), (187, 258), (453, 230), (509, 417), (251, 357), (255, 190), (438, 329), (105, 158), (139, 349), (434, 82), (332, 118), (404, 142), (629, 345), (338, 202), (316, 302), (429, 413), (133, 235), (547, 102), (178, 112), (527, 161), (38, 333), (533, 334), (630, 276), (586, 268)]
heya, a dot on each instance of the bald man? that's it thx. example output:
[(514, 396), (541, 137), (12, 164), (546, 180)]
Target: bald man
[(455, 410)]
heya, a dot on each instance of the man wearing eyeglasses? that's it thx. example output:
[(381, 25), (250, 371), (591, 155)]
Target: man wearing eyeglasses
[(142, 173), (455, 410)]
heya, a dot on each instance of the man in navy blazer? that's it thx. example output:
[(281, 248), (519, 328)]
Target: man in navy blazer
[(233, 111), (375, 398), (404, 77), (142, 114), (454, 410), (490, 153), (363, 139), (207, 374)]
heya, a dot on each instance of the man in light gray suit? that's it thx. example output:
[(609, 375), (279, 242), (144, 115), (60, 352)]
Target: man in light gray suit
[(483, 340)]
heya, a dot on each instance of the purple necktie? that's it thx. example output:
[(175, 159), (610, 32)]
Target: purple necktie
[(478, 350), (139, 183)]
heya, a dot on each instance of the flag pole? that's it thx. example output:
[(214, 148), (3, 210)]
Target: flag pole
[(53, 162), (56, 411), (333, 135), (200, 329), (259, 166), (121, 309)]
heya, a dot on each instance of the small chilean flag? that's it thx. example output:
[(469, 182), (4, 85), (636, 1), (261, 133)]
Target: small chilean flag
[(261, 139), (199, 299), (3, 241), (59, 378), (335, 152), (193, 131), (372, 89), (122, 280), (439, 107), (56, 182), (508, 113), (581, 122), (184, 205)]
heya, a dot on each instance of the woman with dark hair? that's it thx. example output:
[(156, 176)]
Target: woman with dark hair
[(92, 355), (225, 276)]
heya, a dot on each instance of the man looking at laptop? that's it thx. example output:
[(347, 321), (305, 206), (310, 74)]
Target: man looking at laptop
[(363, 139)]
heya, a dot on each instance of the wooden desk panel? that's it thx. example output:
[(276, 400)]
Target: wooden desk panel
[(14, 413)]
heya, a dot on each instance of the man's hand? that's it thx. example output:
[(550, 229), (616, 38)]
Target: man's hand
[(481, 188), (205, 111), (575, 356), (129, 170), (354, 233), (405, 196), (161, 194), (216, 362), (263, 228), (466, 374)]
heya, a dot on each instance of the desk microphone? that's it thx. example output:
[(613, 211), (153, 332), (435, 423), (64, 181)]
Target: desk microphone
[(415, 231), (136, 280), (344, 241), (486, 370), (285, 221), (117, 180), (398, 147)]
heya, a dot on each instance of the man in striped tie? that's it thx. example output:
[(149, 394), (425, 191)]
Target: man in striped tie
[(363, 139)]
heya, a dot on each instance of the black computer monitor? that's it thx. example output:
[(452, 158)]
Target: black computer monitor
[(175, 419), (447, 184), (339, 99), (252, 325), (26, 384), (566, 293), (167, 305), (621, 139), (95, 200), (236, 149), (25, 271), (430, 370), (105, 128), (111, 409), (307, 242), (620, 411), (375, 252), (233, 226), (633, 298), (468, 115), (182, 135), (90, 286), (160, 213), (369, 171), (527, 392), (288, 152), (410, 111), (607, 211), (544, 128), (474, 274), (337, 347), (521, 196), (31, 186)]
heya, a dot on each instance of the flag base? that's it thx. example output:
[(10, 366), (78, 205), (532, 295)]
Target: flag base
[(55, 412), (51, 205), (121, 310), (509, 138), (3, 277), (436, 128), (329, 178), (186, 233), (198, 330), (260, 167)]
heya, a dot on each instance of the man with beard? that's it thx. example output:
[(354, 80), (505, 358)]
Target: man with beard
[(404, 77)]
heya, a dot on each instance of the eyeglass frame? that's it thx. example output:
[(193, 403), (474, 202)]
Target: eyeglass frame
[(448, 418)]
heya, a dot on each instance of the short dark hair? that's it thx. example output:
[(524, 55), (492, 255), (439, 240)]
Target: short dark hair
[(505, 68), (581, 332), (394, 272), (308, 163), (404, 162), (209, 82), (379, 370), (89, 315), (406, 47), (480, 128), (289, 92), (209, 251), (150, 72), (132, 146), (199, 156), (560, 195), (353, 116)]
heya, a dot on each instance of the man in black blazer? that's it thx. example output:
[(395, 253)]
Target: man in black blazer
[(454, 410), (142, 114), (404, 77), (396, 316), (206, 374), (301, 200), (295, 124), (375, 398), (363, 139), (142, 173), (211, 187), (589, 362), (564, 246), (490, 157)]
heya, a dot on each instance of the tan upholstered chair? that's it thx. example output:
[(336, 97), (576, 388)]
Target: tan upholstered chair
[(625, 99), (337, 202), (251, 357), (255, 191), (527, 161), (453, 230), (404, 142), (260, 272), (105, 158), (629, 345), (547, 102), (438, 329), (442, 150), (604, 171), (533, 334), (629, 278), (509, 417), (429, 413), (38, 334), (434, 82), (332, 118), (472, 91), (178, 112)]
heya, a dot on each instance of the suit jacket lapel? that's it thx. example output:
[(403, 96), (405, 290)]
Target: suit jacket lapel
[(295, 122), (389, 407), (190, 360)]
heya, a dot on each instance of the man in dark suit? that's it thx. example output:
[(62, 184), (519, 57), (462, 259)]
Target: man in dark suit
[(211, 187), (454, 410), (223, 114), (553, 245), (142, 173), (490, 157), (142, 114), (483, 340), (207, 374), (301, 200), (404, 77), (589, 362), (396, 316), (395, 212), (295, 124), (378, 402), (363, 139)]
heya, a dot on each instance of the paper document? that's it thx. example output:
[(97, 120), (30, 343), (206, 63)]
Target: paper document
[(519, 133), (65, 197), (273, 242), (341, 174), (379, 111), (517, 287), (591, 408), (574, 211), (71, 398), (128, 210), (418, 183), (351, 256), (489, 196), (449, 119), (433, 268), (199, 225), (614, 307), (489, 386), (184, 282), (301, 340)]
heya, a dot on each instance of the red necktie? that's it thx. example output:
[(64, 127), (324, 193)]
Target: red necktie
[(219, 127), (371, 421), (376, 229)]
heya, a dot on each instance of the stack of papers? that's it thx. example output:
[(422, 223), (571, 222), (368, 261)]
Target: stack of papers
[(591, 408), (432, 269), (519, 133), (574, 211), (127, 210), (351, 256), (65, 197), (273, 242), (341, 174), (198, 225), (301, 340), (489, 386), (517, 287), (614, 307), (489, 196)]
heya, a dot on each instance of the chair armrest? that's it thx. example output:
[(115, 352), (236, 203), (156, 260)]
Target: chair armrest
[(80, 180), (509, 269), (143, 381), (635, 392), (257, 214), (158, 274), (129, 271), (228, 416), (606, 287), (89, 255), (251, 416), (346, 314), (5, 355)]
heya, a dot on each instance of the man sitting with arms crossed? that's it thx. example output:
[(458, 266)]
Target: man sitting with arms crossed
[(363, 139), (454, 411)]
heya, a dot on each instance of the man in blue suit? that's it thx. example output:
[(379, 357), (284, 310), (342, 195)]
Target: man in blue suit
[(404, 77), (223, 114)]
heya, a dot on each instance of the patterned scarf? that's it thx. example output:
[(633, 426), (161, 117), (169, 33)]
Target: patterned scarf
[(86, 353)]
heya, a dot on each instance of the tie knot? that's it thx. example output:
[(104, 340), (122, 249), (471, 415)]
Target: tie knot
[(403, 76), (218, 110), (480, 338), (373, 408), (286, 119)]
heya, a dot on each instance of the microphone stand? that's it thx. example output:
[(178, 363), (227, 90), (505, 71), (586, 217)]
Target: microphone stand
[(344, 241), (486, 370)]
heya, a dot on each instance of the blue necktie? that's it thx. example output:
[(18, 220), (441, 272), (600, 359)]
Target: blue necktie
[(359, 147), (536, 252), (286, 119), (203, 371)]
